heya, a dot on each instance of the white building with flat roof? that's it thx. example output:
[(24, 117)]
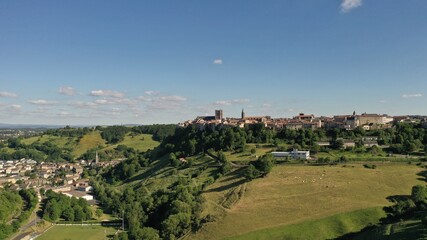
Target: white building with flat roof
[(293, 154)]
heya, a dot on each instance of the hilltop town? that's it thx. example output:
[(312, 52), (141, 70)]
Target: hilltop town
[(367, 121)]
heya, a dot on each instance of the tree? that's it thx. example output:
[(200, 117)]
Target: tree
[(251, 172), (226, 167), (221, 157), (419, 194), (78, 213), (337, 144), (68, 214), (98, 213), (253, 151), (265, 164), (148, 233)]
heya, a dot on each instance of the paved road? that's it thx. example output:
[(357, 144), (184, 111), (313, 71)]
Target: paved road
[(25, 228)]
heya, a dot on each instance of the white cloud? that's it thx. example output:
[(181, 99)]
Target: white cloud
[(348, 5), (151, 92), (173, 98), (101, 101), (223, 103), (81, 104), (412, 95), (69, 91), (383, 101), (242, 100), (217, 61), (8, 94), (15, 108), (230, 102), (145, 98), (41, 102), (106, 93), (266, 105)]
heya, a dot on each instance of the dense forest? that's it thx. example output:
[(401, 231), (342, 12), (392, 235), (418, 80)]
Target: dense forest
[(15, 208), (167, 213), (57, 205)]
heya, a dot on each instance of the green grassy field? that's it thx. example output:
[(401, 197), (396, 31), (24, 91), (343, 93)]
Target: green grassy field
[(247, 156), (293, 195), (77, 233), (59, 141), (89, 141), (412, 228), (365, 156), (325, 228), (141, 142)]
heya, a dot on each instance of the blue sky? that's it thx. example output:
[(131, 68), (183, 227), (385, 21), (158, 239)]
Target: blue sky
[(113, 62)]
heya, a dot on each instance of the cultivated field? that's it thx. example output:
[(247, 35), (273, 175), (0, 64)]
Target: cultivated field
[(77, 233), (293, 198)]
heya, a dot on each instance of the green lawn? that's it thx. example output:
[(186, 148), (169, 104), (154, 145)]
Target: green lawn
[(77, 233), (297, 194), (325, 228)]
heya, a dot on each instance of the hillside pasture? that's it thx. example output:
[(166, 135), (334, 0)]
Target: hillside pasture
[(141, 142), (292, 195), (87, 142), (58, 141), (260, 149)]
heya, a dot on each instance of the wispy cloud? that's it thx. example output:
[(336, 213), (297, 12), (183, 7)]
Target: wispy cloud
[(69, 91), (80, 104), (217, 61), (151, 92), (231, 102), (157, 101), (348, 5), (173, 98), (412, 95), (8, 94), (15, 108), (41, 102), (106, 93)]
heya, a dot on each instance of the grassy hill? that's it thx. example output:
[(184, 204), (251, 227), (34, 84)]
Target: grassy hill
[(300, 200), (88, 141), (93, 140)]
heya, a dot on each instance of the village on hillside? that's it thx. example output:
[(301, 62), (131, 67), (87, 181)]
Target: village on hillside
[(67, 178), (367, 121)]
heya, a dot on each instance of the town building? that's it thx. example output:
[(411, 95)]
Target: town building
[(295, 154)]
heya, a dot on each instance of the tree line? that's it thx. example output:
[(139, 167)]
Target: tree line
[(58, 206), (166, 213), (22, 202)]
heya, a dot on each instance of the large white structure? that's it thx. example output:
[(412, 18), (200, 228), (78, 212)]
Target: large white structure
[(293, 154)]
